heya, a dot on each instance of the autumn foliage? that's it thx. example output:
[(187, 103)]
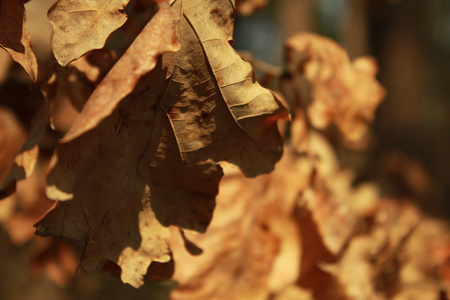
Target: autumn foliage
[(173, 163)]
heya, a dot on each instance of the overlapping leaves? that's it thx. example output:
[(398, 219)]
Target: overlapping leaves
[(137, 173), (154, 161)]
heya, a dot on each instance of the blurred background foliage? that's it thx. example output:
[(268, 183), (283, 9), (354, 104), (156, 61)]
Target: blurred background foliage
[(410, 155), (409, 147)]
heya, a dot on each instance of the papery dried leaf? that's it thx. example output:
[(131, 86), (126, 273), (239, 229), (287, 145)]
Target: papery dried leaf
[(156, 38), (14, 36), (154, 161), (343, 92), (81, 26)]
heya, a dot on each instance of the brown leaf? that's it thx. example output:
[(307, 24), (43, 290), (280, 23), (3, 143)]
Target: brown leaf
[(140, 58), (81, 26), (154, 161), (14, 36), (343, 92)]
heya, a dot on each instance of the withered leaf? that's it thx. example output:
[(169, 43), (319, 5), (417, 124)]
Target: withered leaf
[(81, 26), (344, 92), (154, 161), (140, 58), (14, 36)]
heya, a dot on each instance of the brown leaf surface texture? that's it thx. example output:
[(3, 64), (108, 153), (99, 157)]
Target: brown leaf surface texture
[(140, 58), (154, 161), (81, 26), (14, 36), (344, 92)]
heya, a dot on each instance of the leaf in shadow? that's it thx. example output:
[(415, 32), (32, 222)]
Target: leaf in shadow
[(151, 158), (14, 36)]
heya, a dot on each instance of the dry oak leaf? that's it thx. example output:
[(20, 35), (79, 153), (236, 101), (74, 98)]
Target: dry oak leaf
[(80, 26), (344, 92), (154, 161), (157, 37), (14, 35)]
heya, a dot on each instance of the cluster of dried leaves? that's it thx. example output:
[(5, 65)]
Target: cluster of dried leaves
[(147, 137)]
